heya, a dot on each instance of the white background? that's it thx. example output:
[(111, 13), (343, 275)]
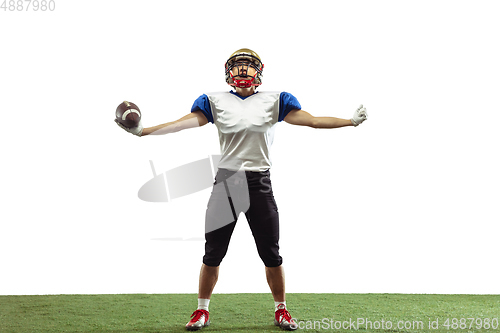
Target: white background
[(405, 203)]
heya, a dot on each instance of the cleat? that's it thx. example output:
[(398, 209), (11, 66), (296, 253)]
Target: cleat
[(283, 319), (199, 319)]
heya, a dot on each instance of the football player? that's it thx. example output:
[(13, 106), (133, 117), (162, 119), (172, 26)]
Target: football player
[(246, 120)]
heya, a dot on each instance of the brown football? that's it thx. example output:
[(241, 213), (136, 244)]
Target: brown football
[(128, 114)]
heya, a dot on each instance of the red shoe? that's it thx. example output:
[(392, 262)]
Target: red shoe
[(199, 319), (283, 319)]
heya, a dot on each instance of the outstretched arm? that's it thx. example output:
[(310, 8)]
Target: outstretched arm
[(193, 119), (303, 118)]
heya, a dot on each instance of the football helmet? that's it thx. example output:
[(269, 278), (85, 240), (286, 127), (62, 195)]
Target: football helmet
[(242, 60)]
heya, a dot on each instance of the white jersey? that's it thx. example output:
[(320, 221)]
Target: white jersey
[(246, 125)]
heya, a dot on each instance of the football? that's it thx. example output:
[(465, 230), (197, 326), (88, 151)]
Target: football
[(128, 114)]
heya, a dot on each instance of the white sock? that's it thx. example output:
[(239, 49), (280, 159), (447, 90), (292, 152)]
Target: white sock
[(203, 303), (278, 303)]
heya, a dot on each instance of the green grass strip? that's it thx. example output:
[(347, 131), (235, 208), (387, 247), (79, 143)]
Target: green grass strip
[(250, 313)]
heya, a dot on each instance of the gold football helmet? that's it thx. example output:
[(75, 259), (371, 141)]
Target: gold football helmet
[(244, 58)]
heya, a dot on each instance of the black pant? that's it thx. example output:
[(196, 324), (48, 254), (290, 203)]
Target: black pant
[(235, 192)]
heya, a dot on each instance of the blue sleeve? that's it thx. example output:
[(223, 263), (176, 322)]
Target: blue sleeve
[(288, 102), (202, 104)]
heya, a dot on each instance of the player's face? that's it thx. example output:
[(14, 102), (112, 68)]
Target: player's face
[(242, 67)]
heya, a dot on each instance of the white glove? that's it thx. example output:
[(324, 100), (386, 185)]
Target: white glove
[(134, 130), (359, 116)]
